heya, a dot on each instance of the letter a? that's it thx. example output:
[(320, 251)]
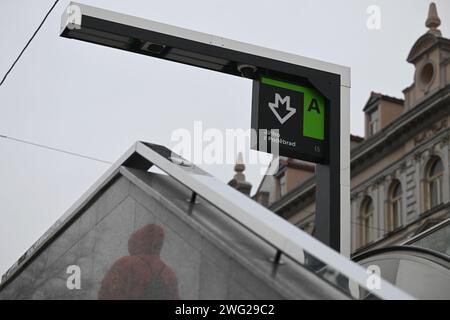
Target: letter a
[(74, 280), (314, 106)]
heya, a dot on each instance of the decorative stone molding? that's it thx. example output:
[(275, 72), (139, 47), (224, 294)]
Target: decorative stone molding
[(419, 138), (364, 193), (389, 178), (417, 156), (444, 141), (379, 181), (403, 167), (430, 133)]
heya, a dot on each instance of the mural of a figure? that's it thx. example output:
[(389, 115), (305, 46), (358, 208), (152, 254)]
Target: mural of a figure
[(142, 275)]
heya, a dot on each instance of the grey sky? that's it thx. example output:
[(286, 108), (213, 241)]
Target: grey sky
[(98, 101)]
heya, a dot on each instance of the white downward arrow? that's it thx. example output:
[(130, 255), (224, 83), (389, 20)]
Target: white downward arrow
[(274, 106)]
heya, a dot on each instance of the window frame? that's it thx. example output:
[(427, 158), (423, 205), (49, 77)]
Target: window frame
[(393, 216), (365, 221), (373, 122), (433, 179)]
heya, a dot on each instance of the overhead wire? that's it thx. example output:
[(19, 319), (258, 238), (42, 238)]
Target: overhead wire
[(75, 154), (28, 43)]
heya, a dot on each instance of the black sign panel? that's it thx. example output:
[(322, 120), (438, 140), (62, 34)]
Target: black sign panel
[(290, 117)]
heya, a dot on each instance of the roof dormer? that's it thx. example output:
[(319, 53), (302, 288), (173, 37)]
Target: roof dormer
[(380, 111)]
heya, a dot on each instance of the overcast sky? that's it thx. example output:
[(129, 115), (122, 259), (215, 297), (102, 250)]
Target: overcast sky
[(98, 101)]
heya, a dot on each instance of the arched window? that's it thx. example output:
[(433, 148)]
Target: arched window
[(394, 212), (433, 183), (365, 221)]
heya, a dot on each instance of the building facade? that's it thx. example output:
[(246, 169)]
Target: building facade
[(400, 181)]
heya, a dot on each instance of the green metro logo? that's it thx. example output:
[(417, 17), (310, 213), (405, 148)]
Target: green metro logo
[(313, 107)]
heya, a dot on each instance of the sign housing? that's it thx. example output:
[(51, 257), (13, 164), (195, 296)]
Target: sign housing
[(292, 116)]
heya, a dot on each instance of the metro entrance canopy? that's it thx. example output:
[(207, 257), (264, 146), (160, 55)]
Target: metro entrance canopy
[(302, 103)]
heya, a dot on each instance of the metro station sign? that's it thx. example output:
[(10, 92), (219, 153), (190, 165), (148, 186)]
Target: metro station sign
[(292, 116)]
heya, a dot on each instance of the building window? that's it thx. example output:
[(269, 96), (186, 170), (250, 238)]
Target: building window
[(374, 122), (394, 212), (433, 183), (365, 221), (282, 185)]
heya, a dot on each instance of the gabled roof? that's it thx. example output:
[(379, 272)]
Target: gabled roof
[(426, 43), (375, 97)]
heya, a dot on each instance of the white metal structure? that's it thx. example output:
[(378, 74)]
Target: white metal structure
[(160, 40)]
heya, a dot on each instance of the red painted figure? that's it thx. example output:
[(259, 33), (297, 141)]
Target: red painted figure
[(142, 275)]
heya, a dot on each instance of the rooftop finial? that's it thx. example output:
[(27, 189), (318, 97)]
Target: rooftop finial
[(240, 166), (433, 21), (238, 182)]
